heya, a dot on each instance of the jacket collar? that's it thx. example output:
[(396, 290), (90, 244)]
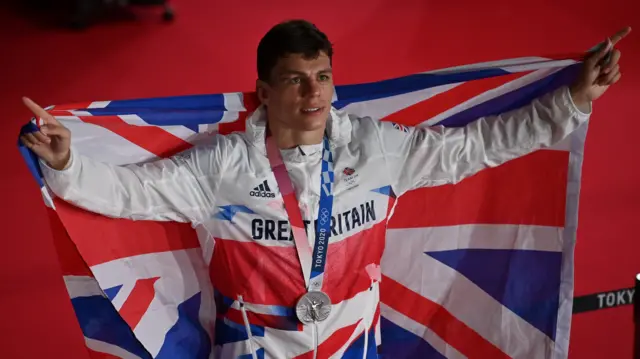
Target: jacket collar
[(338, 129)]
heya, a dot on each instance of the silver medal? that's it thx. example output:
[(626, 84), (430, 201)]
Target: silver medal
[(313, 307)]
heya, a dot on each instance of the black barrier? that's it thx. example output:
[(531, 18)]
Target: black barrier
[(636, 320), (610, 299)]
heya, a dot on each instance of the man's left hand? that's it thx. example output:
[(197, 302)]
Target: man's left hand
[(596, 75)]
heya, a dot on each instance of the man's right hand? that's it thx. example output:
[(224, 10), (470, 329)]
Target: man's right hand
[(52, 143)]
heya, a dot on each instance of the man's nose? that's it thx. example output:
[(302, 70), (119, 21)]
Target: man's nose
[(312, 88)]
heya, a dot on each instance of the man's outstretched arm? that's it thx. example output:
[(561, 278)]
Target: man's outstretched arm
[(438, 155), (181, 188)]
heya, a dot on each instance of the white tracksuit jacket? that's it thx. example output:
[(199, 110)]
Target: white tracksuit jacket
[(226, 189)]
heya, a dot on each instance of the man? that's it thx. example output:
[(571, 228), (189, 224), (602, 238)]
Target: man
[(299, 214)]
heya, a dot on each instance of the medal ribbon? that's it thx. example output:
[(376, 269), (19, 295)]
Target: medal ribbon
[(312, 263)]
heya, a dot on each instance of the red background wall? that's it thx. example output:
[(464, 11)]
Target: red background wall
[(211, 47)]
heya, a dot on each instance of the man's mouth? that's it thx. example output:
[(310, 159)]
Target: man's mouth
[(311, 110)]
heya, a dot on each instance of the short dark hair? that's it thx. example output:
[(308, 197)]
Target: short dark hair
[(287, 38)]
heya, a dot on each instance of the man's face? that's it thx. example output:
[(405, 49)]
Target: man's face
[(299, 93)]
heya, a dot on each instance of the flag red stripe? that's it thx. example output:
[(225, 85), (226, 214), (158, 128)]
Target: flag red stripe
[(57, 112), (438, 319), (424, 110), (99, 355), (72, 106), (71, 263), (530, 190), (251, 102), (101, 239), (153, 139), (138, 301), (271, 275), (265, 320), (238, 125)]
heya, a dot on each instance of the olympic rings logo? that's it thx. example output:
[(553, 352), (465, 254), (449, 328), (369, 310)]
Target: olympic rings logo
[(324, 216)]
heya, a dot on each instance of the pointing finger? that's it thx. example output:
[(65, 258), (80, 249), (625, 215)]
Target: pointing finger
[(39, 111), (620, 35), (35, 108)]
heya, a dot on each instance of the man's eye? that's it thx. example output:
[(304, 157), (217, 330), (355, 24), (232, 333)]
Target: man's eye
[(324, 77), (294, 80)]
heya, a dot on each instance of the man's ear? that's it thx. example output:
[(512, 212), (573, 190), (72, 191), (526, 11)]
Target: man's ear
[(262, 90)]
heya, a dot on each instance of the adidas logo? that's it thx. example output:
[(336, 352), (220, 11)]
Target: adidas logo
[(262, 190)]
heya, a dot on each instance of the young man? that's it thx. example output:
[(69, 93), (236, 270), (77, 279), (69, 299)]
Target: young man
[(298, 214)]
